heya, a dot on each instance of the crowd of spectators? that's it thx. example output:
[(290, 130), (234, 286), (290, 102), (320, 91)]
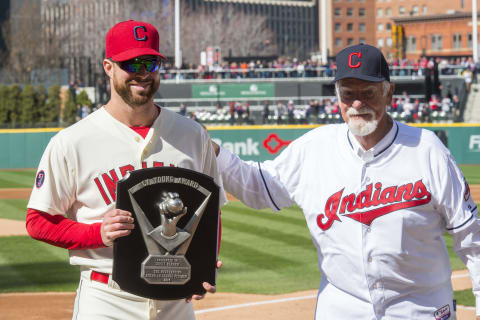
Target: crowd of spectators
[(294, 68), (403, 108)]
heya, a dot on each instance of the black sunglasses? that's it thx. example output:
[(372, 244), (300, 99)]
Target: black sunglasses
[(136, 64)]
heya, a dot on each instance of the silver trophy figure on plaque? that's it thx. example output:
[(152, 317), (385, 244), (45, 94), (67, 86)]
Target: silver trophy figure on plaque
[(167, 244)]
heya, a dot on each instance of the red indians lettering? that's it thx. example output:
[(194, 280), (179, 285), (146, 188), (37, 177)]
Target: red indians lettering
[(110, 180), (358, 64), (384, 202)]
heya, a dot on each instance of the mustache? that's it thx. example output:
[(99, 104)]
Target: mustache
[(363, 110), (140, 81)]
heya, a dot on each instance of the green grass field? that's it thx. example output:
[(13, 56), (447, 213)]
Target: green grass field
[(24, 178), (262, 252), (17, 178)]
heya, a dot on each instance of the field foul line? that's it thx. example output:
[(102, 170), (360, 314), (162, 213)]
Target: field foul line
[(252, 304), (458, 276), (313, 296)]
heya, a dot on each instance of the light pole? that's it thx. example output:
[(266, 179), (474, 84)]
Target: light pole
[(474, 31), (178, 52), (324, 30)]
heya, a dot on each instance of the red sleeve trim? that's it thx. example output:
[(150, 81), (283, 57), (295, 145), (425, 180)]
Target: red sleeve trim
[(63, 232)]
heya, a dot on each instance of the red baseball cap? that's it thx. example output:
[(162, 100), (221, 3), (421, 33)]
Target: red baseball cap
[(130, 39)]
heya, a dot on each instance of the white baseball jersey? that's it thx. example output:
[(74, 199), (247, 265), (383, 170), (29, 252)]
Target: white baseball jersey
[(376, 217), (82, 164)]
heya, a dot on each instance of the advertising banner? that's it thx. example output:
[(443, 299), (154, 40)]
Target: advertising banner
[(24, 147), (233, 91)]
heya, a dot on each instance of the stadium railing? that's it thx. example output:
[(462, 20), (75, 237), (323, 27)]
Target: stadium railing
[(216, 73)]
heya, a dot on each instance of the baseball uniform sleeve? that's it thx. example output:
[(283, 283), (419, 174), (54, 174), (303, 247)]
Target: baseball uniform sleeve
[(461, 214), (54, 188), (255, 184), (211, 168)]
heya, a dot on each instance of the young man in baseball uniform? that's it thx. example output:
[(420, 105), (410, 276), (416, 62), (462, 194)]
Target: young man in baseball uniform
[(73, 201), (377, 196)]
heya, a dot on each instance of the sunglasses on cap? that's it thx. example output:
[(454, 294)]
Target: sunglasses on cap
[(136, 64)]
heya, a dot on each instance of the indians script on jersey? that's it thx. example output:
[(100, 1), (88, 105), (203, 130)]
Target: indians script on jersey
[(110, 179), (371, 203)]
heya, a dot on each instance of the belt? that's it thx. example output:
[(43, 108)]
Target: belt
[(100, 277)]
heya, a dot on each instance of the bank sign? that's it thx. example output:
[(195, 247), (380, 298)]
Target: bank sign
[(256, 145), (233, 90)]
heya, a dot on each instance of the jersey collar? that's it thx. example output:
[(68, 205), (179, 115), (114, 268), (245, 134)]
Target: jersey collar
[(379, 148)]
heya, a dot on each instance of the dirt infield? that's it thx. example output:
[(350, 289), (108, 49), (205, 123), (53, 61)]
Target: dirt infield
[(15, 193), (220, 306), (231, 306)]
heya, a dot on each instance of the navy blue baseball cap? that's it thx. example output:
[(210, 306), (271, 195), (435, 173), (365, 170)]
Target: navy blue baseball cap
[(363, 62)]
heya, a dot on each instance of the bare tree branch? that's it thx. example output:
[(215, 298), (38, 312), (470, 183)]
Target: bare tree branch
[(227, 28)]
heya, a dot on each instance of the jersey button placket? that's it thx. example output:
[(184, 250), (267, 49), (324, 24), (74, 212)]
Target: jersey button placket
[(371, 269), (370, 265)]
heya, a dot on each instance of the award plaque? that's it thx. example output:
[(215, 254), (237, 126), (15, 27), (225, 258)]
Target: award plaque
[(173, 248)]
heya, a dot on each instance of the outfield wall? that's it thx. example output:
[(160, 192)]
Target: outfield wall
[(23, 148)]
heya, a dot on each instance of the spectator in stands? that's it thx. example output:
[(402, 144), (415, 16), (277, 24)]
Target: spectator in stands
[(183, 110), (231, 112), (266, 111), (434, 103), (408, 109), (312, 110), (468, 76), (416, 106), (424, 113), (308, 112), (233, 71), (476, 70), (251, 70), (78, 115), (268, 73), (246, 115), (85, 111), (291, 112), (400, 103), (300, 70), (239, 111), (280, 112), (446, 104)]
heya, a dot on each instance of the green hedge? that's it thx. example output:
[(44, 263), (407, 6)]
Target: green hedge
[(31, 107)]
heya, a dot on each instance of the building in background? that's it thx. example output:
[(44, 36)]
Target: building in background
[(393, 36), (80, 25), (437, 35), (79, 28), (4, 12), (400, 28), (351, 23), (294, 23), (71, 32)]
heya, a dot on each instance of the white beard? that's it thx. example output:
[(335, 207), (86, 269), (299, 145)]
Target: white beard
[(360, 127)]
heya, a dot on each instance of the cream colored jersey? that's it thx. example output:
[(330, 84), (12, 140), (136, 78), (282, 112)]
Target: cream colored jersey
[(377, 218), (81, 165)]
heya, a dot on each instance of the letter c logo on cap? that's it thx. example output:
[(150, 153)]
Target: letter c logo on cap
[(136, 36), (358, 64)]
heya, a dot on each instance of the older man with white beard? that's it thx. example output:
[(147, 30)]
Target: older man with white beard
[(377, 196)]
